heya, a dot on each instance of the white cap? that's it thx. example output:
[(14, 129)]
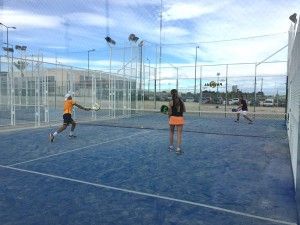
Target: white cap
[(67, 96)]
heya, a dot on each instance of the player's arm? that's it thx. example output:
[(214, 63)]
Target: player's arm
[(81, 107), (170, 108), (184, 108), (240, 106)]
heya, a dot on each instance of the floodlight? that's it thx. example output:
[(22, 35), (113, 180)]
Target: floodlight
[(19, 47), (8, 49), (133, 38), (110, 41), (293, 18), (7, 26)]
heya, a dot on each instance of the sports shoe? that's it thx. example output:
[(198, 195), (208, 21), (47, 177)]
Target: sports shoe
[(251, 122), (72, 136), (237, 121), (178, 151), (171, 148), (51, 137)]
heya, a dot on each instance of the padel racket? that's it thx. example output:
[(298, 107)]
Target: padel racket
[(234, 110), (95, 107), (164, 109)]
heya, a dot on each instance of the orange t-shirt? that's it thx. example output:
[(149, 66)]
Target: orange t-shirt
[(68, 106)]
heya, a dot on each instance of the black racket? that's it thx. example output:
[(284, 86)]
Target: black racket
[(164, 109)]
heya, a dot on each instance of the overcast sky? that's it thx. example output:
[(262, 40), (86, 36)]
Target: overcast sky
[(226, 31)]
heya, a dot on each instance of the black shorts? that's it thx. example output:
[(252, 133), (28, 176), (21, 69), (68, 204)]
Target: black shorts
[(68, 118)]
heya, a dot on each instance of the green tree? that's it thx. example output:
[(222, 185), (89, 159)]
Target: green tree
[(21, 65)]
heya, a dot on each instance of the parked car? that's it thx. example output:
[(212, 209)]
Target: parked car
[(205, 100), (234, 101), (189, 99), (268, 102)]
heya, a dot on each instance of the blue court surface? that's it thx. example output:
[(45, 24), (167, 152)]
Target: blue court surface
[(230, 173)]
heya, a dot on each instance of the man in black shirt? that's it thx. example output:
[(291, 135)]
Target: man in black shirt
[(242, 109)]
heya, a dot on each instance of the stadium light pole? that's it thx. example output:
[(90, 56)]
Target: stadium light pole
[(218, 76), (293, 18), (7, 27), (84, 78), (149, 76), (91, 50), (196, 69), (139, 93), (10, 91), (141, 45), (132, 38), (8, 49), (110, 42)]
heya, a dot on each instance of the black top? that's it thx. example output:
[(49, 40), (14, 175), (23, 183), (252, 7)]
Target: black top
[(244, 105), (175, 112)]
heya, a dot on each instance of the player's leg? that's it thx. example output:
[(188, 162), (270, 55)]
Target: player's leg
[(237, 117), (171, 138), (179, 137), (66, 119), (60, 129), (247, 117), (73, 123)]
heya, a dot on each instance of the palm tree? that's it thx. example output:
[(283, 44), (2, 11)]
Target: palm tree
[(21, 65)]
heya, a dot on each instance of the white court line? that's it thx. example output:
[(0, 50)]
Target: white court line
[(78, 149), (153, 196)]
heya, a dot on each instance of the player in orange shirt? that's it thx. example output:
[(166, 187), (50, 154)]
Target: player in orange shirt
[(68, 108)]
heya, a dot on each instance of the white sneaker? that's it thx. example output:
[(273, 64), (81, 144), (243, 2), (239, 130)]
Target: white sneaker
[(171, 148), (51, 137), (178, 150)]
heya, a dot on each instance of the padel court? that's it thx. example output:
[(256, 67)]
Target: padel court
[(122, 173)]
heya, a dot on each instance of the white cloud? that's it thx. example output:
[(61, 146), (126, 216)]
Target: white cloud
[(91, 19), (183, 10), (176, 32), (189, 21), (190, 9), (25, 19), (56, 47), (234, 21), (122, 3)]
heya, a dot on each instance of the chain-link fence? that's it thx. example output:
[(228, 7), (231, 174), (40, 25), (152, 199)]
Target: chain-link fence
[(293, 109), (215, 89), (34, 95), (32, 91)]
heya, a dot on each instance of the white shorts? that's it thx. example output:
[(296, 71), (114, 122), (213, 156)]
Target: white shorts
[(244, 113)]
